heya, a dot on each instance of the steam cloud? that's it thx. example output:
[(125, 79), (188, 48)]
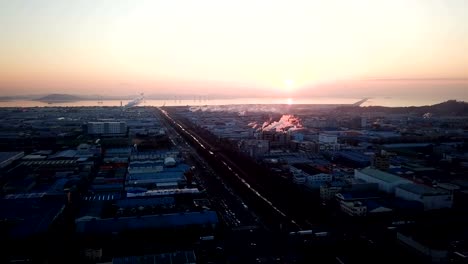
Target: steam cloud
[(240, 109), (286, 123)]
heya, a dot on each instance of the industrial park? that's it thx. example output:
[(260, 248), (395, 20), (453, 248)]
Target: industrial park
[(234, 184), (238, 132)]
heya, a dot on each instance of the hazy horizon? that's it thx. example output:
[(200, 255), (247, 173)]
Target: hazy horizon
[(411, 48)]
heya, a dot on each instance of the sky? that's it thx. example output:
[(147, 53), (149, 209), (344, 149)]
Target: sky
[(239, 48)]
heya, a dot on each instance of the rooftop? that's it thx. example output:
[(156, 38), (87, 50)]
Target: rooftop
[(351, 196), (29, 215), (355, 156), (382, 175), (69, 153), (174, 257), (7, 155), (407, 145), (144, 222), (422, 189), (149, 201)]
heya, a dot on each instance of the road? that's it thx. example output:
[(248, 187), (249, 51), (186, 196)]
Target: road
[(232, 209), (241, 204), (234, 178)]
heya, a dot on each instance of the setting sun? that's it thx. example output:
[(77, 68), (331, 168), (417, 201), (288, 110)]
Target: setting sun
[(288, 85)]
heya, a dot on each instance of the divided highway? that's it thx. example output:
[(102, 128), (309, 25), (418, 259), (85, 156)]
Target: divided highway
[(270, 215)]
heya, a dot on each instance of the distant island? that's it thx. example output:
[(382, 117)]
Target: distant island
[(59, 98)]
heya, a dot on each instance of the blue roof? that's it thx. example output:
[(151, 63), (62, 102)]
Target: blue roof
[(359, 195), (108, 196), (31, 216), (7, 155), (111, 225), (151, 152), (407, 145), (146, 163), (69, 153), (179, 167), (402, 204), (106, 186), (371, 205), (382, 175), (155, 175), (338, 184), (153, 201), (172, 257), (422, 189), (355, 156), (398, 171), (118, 150)]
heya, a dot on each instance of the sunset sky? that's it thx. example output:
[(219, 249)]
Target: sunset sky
[(349, 48)]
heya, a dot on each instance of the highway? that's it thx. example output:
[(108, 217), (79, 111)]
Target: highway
[(271, 216), (231, 208), (242, 204)]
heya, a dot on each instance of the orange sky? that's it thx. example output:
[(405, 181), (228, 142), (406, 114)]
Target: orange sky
[(251, 47)]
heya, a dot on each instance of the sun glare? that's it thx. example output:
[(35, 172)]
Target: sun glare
[(288, 85)]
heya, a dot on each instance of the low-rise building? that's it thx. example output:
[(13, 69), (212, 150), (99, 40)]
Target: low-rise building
[(432, 198), (254, 147), (387, 182), (328, 191), (106, 128), (353, 208)]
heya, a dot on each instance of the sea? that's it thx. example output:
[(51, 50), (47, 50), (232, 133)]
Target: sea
[(375, 101)]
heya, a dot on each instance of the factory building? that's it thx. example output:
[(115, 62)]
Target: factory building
[(431, 198), (387, 182), (106, 128)]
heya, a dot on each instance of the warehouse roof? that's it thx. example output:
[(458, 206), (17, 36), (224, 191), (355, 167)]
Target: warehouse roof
[(111, 225), (382, 175), (422, 189)]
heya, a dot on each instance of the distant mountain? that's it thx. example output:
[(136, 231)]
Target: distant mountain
[(59, 98), (450, 107), (16, 97), (7, 98)]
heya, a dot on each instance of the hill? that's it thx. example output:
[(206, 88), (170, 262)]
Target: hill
[(59, 98), (450, 107)]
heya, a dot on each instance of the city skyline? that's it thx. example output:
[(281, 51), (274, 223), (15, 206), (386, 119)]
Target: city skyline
[(299, 48)]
